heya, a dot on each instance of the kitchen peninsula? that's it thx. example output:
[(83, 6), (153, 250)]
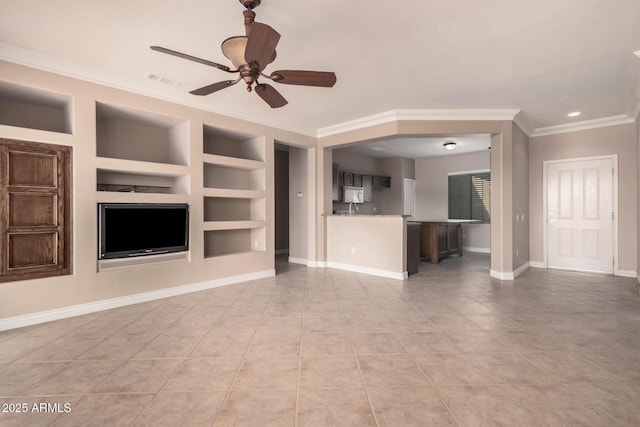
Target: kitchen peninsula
[(370, 244)]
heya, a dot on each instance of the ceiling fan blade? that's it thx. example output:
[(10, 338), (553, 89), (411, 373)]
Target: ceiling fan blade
[(270, 96), (261, 45), (206, 90), (304, 78), (191, 58)]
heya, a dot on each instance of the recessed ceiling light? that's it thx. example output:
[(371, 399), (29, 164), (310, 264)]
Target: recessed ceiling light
[(450, 145), (574, 114)]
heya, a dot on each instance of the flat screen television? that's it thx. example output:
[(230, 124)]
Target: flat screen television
[(139, 229)]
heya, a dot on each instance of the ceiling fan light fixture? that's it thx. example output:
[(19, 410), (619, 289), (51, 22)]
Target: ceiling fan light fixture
[(449, 145), (233, 48)]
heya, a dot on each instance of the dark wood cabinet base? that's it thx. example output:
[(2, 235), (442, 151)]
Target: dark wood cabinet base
[(440, 239)]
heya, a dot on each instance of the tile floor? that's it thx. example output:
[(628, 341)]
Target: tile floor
[(321, 347)]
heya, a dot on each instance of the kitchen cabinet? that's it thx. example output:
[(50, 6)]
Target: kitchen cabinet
[(413, 247), (357, 180), (438, 240), (337, 184), (367, 184), (347, 178)]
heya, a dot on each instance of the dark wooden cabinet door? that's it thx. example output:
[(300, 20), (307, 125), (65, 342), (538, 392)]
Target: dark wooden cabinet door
[(35, 210)]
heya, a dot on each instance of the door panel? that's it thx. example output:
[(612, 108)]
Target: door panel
[(579, 217)]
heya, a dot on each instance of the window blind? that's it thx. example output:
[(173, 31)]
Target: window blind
[(470, 196)]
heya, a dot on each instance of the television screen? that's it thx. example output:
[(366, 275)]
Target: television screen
[(137, 229)]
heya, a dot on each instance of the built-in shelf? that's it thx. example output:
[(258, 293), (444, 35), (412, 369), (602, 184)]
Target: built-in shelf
[(31, 108), (234, 193), (228, 242), (232, 162), (233, 225), (127, 134), (122, 197), (231, 144)]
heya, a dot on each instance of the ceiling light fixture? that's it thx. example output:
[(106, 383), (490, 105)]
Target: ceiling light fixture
[(574, 114), (450, 145)]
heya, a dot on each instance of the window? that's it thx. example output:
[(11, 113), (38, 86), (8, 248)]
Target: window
[(470, 196)]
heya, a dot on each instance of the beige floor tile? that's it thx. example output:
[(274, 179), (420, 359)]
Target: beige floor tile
[(170, 409), (268, 372), (409, 406), (105, 410), (325, 325), (280, 325), (330, 371), (241, 325), (567, 367), (214, 345), (390, 370), (119, 346), (359, 324), (291, 309), (484, 406), (140, 376), (326, 344), (252, 408), (553, 405), (510, 368), (451, 369), (334, 407), (617, 399), (274, 345), (323, 309), (428, 342), (169, 346), (76, 377), (65, 348), (18, 376), (377, 343), (204, 373)]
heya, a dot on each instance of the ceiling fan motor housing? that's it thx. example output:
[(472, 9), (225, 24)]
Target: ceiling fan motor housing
[(250, 4)]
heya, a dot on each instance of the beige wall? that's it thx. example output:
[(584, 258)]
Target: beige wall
[(298, 206), (520, 198), (638, 193), (86, 284), (375, 243), (432, 196), (620, 140)]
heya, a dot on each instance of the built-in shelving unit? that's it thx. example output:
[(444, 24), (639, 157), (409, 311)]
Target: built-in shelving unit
[(31, 108), (234, 193), (140, 152)]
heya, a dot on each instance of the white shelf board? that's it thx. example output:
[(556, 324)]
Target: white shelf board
[(140, 168), (233, 225), (232, 193), (132, 197), (232, 162)]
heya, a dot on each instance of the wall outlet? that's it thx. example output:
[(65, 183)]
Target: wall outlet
[(255, 244), (353, 249), (517, 252)]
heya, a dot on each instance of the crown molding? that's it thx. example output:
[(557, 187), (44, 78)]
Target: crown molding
[(411, 115), (620, 119), (521, 122)]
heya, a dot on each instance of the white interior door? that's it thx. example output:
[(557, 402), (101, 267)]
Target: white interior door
[(409, 197), (580, 215)]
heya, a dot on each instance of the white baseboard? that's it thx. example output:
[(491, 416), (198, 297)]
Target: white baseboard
[(537, 264), (625, 273), (366, 270), (502, 276), (475, 249), (294, 260), (524, 267), (317, 264), (92, 307)]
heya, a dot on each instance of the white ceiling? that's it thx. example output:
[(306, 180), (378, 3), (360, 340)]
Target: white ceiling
[(543, 57), (418, 147)]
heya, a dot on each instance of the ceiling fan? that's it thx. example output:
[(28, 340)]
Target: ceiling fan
[(250, 55)]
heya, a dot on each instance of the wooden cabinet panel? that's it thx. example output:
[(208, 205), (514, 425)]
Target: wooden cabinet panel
[(32, 169), (439, 240), (35, 210), (27, 250)]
